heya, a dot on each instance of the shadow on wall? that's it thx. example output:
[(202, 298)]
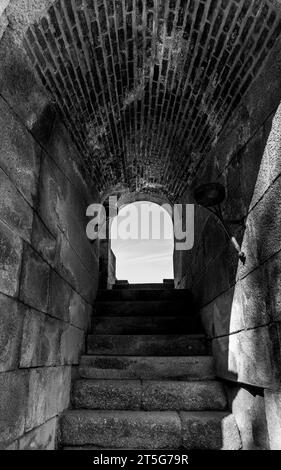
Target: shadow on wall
[(240, 305)]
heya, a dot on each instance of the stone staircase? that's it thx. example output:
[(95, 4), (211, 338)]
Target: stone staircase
[(147, 381)]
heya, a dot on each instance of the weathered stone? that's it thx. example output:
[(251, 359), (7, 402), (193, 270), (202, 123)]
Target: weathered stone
[(19, 154), (225, 314), (40, 341), (43, 241), (122, 367), (34, 289), (72, 344), (122, 429), (13, 405), (42, 438), (11, 320), (14, 210), (250, 357), (107, 394), (272, 401), (148, 345), (10, 261), (248, 408), (210, 430), (254, 306), (80, 312), (273, 286), (60, 293), (200, 396), (48, 396)]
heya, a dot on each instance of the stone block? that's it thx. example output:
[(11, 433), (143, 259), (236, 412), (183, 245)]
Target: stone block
[(122, 429), (154, 368), (60, 294), (72, 344), (14, 210), (41, 340), (48, 395), (41, 438), (10, 261), (250, 357), (71, 268), (34, 289), (210, 430), (107, 394), (13, 405), (11, 320), (43, 241), (272, 401), (181, 396), (80, 312), (254, 299), (247, 404), (273, 286), (19, 153)]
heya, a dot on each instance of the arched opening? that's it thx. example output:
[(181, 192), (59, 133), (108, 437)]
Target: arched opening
[(142, 240)]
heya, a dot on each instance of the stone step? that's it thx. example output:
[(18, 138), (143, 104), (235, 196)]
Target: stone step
[(148, 345), (149, 430), (154, 368), (168, 284), (144, 295), (145, 325), (149, 395), (141, 307)]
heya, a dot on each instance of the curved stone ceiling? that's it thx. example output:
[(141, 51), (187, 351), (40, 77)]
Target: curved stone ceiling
[(145, 86)]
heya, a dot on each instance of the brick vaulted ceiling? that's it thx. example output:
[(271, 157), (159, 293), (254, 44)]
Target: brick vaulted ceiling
[(145, 86)]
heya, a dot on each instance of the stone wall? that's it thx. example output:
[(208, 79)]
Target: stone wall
[(240, 305), (48, 268)]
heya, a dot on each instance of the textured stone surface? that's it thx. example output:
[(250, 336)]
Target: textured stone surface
[(272, 400), (11, 321), (19, 154), (248, 408), (122, 429), (42, 438), (183, 396), (40, 340), (10, 261), (148, 345), (213, 430), (251, 357), (48, 394), (60, 293), (107, 394), (13, 405), (72, 344), (144, 90), (35, 279), (179, 368), (144, 324)]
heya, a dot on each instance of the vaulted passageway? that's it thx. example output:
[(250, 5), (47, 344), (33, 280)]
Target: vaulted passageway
[(138, 99)]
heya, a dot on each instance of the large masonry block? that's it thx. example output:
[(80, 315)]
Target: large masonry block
[(11, 320), (13, 405), (49, 390), (19, 153), (40, 341), (34, 290), (14, 210), (10, 261), (42, 438), (60, 293)]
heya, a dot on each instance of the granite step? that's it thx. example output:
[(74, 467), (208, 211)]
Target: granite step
[(154, 368), (141, 307), (149, 430), (148, 345), (149, 395)]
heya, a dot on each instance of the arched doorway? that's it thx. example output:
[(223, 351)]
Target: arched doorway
[(142, 241)]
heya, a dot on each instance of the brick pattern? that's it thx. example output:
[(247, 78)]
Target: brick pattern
[(146, 86)]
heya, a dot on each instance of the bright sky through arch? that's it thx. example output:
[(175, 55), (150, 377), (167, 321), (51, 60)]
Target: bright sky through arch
[(144, 259)]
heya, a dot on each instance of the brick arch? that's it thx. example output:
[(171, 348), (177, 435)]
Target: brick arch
[(146, 86)]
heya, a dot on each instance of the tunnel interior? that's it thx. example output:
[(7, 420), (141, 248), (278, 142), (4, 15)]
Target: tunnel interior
[(143, 100)]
